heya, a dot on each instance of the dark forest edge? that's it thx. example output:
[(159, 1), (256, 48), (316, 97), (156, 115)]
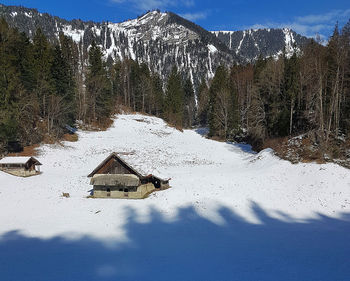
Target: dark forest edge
[(298, 105)]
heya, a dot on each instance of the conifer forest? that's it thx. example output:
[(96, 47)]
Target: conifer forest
[(44, 87)]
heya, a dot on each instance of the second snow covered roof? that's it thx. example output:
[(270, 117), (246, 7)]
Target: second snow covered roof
[(19, 160)]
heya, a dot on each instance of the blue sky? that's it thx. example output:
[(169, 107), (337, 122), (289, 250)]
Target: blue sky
[(307, 17)]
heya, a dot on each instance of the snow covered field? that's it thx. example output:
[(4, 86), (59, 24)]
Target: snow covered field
[(231, 214)]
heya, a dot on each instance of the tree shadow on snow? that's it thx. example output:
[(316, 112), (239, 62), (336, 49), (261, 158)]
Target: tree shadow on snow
[(203, 131), (240, 146), (190, 248)]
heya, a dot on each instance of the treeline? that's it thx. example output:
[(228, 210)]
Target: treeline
[(44, 87), (306, 93), (134, 86)]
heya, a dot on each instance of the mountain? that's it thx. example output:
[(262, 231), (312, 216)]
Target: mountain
[(248, 45), (161, 40)]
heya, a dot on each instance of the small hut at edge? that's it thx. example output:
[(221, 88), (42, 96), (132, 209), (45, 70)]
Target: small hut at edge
[(20, 166), (115, 178)]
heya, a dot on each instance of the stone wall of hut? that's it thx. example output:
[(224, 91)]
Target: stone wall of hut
[(141, 192)]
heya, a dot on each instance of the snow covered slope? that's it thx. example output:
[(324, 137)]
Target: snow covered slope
[(205, 174)]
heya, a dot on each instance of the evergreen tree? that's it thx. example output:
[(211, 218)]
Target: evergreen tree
[(157, 96), (145, 87), (42, 55), (189, 104), (98, 87), (63, 84), (116, 80), (10, 83), (174, 99), (203, 103)]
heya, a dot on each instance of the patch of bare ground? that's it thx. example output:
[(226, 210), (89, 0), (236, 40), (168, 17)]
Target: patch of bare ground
[(44, 138), (177, 127), (50, 139), (70, 137), (217, 138), (27, 151), (100, 125), (306, 149)]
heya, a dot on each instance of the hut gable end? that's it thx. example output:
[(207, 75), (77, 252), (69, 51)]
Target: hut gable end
[(114, 166)]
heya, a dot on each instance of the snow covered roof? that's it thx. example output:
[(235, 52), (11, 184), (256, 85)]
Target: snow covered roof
[(18, 160), (112, 180)]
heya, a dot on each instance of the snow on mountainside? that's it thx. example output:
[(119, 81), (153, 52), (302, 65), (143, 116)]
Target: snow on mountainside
[(250, 44), (205, 175), (160, 40)]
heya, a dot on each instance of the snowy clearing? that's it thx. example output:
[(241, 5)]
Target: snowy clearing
[(220, 191)]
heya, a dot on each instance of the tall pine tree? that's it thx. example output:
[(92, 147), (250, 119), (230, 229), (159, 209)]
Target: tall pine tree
[(174, 99), (98, 87)]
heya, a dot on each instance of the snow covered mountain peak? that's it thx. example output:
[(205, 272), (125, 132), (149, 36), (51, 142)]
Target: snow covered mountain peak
[(161, 40), (153, 26)]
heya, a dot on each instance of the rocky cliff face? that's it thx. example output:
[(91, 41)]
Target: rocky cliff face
[(161, 40)]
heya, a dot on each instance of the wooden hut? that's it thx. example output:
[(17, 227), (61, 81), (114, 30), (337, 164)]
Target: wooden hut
[(115, 178), (20, 166)]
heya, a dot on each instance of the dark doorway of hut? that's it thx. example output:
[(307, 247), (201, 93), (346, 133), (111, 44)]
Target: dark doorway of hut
[(156, 183), (126, 192), (108, 192)]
